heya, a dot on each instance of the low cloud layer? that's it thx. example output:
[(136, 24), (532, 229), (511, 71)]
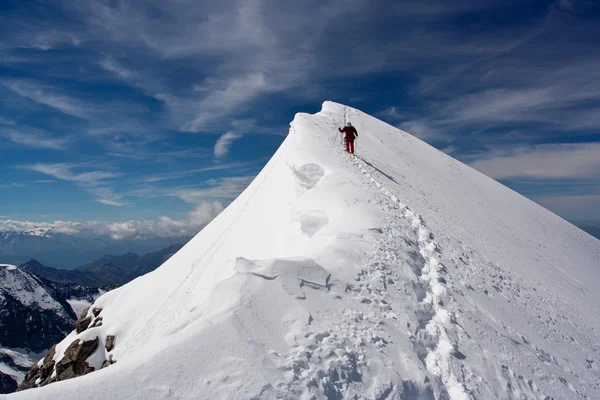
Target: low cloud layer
[(163, 226)]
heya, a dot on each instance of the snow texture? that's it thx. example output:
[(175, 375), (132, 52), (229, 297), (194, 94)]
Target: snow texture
[(25, 289), (396, 274)]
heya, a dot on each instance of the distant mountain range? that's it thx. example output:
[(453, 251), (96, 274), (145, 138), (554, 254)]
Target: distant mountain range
[(66, 250), (34, 314), (106, 270), (39, 304)]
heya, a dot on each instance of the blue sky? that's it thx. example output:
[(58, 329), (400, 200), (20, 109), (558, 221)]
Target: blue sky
[(131, 110)]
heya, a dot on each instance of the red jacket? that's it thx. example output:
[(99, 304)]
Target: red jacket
[(350, 132)]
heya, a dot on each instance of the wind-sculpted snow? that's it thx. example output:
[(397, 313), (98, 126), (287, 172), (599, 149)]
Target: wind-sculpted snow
[(396, 274)]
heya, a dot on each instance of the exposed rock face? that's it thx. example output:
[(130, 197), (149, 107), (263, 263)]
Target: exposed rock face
[(108, 362), (75, 357), (83, 321), (7, 384), (73, 363), (34, 314), (110, 343)]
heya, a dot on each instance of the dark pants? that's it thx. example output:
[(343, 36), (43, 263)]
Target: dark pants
[(350, 146)]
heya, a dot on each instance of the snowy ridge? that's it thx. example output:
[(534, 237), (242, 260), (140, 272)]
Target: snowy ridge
[(399, 273), (25, 289), (432, 334)]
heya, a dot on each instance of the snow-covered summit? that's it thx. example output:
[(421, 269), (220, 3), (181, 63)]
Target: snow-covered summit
[(398, 273), (24, 288)]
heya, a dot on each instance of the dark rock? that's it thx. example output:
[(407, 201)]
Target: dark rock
[(110, 343), (46, 370), (50, 355), (33, 372), (62, 365), (30, 378), (84, 313), (30, 327), (74, 361), (7, 384), (108, 362), (96, 311), (67, 359), (86, 349), (82, 324), (67, 374), (97, 322), (70, 351)]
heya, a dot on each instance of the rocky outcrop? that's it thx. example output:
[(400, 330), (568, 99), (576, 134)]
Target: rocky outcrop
[(108, 362), (73, 362), (83, 321), (110, 343)]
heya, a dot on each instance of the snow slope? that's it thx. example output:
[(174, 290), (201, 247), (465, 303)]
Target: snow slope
[(399, 273), (25, 289)]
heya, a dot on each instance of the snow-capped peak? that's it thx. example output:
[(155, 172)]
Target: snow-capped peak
[(8, 267), (25, 288), (398, 273)]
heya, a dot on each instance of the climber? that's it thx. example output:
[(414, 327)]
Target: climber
[(351, 134)]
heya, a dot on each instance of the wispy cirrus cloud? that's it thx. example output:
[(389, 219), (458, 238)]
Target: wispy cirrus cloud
[(94, 182), (224, 142), (29, 137), (44, 95), (65, 172), (547, 161), (188, 172), (221, 189)]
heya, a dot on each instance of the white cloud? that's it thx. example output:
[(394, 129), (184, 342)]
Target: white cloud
[(584, 207), (195, 221), (229, 98), (181, 174), (109, 202), (500, 105), (391, 113), (162, 226), (33, 138), (64, 172), (224, 143), (548, 161), (112, 66), (423, 131), (219, 189), (44, 95), (93, 182)]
